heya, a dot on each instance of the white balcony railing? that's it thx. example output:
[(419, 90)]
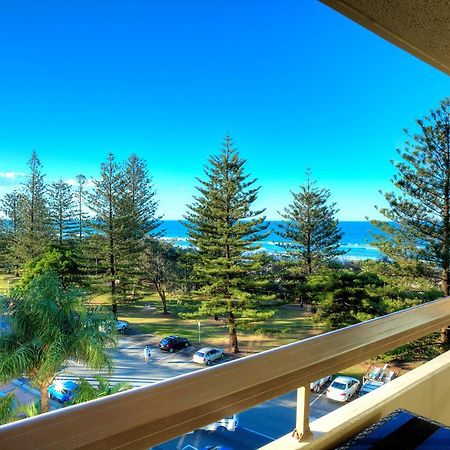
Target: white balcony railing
[(153, 414)]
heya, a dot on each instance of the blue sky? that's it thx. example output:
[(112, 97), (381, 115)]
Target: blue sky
[(296, 84)]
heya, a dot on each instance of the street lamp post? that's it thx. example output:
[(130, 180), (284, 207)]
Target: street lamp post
[(199, 327)]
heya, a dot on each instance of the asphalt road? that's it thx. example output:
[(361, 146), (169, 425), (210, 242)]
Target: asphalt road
[(257, 426)]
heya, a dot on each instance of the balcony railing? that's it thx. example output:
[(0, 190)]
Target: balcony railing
[(150, 415)]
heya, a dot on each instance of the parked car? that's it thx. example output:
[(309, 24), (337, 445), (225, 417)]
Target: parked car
[(207, 355), (63, 391), (316, 386), (229, 423), (216, 447), (121, 326), (171, 343), (342, 389), (376, 376)]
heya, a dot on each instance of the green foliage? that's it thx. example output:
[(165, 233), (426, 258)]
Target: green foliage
[(88, 391), (33, 229), (224, 231), (81, 215), (405, 284), (12, 206), (62, 262), (426, 348), (346, 297), (419, 211), (104, 203), (62, 210), (48, 326), (161, 268), (8, 408), (136, 220), (310, 229)]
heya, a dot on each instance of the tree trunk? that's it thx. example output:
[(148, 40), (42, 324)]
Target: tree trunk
[(234, 348), (162, 295), (445, 338), (45, 406)]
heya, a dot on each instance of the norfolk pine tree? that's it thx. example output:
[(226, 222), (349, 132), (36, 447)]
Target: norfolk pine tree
[(34, 233), (103, 201), (310, 228), (420, 208), (224, 231), (62, 210), (12, 207), (80, 194), (137, 221)]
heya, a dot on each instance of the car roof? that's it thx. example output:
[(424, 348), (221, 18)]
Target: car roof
[(343, 379), (205, 349), (67, 384)]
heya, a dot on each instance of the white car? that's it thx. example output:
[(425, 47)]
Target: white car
[(342, 389), (229, 423), (316, 386), (207, 355), (121, 326)]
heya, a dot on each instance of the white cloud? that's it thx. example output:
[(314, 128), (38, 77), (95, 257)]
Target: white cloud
[(74, 182), (10, 178)]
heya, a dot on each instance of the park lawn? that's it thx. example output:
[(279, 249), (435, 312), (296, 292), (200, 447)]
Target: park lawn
[(4, 285), (289, 324)]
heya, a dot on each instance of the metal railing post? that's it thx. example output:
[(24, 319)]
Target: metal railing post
[(302, 419)]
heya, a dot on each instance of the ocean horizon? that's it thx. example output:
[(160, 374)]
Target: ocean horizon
[(356, 240)]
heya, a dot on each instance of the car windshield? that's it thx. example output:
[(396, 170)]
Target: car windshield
[(165, 341), (200, 354), (340, 386)]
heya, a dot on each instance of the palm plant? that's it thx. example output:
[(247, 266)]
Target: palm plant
[(87, 391), (50, 325), (7, 408)]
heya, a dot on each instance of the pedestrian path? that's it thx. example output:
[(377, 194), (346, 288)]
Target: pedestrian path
[(133, 380)]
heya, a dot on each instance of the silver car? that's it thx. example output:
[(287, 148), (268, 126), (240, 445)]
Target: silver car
[(207, 355)]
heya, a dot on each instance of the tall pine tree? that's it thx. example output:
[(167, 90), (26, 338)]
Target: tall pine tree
[(224, 231), (35, 228), (80, 198), (310, 229), (12, 207), (103, 201), (137, 220), (62, 210), (418, 213)]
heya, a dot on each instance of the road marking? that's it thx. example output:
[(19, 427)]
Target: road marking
[(260, 434), (75, 362), (317, 398)]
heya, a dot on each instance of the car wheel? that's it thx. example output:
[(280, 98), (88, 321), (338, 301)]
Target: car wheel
[(347, 399), (222, 429), (186, 344), (222, 355), (208, 363), (170, 350), (317, 389)]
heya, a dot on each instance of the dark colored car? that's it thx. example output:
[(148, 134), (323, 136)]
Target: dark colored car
[(171, 343)]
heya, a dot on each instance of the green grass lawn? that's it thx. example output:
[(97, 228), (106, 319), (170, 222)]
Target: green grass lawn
[(4, 278), (289, 324)]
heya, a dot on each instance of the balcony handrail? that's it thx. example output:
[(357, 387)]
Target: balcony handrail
[(153, 414)]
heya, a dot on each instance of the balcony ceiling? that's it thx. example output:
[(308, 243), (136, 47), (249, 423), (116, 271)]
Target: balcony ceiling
[(421, 27)]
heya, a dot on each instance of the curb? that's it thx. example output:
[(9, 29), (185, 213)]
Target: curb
[(26, 387)]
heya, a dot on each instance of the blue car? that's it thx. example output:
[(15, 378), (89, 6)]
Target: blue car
[(63, 391)]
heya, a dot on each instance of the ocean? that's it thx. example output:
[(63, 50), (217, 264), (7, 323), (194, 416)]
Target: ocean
[(355, 241)]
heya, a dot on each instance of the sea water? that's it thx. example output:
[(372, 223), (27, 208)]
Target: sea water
[(356, 240)]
